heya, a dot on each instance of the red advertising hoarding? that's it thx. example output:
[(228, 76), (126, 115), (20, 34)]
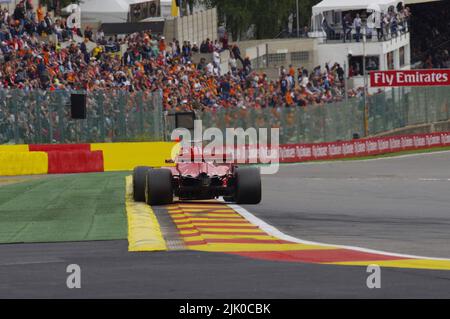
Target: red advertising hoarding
[(296, 153), (435, 77), (293, 153)]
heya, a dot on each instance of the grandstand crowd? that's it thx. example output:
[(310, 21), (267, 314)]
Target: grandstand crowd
[(149, 62)]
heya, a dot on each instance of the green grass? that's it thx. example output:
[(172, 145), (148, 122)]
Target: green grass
[(68, 208)]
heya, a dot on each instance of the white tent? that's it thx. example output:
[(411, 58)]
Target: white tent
[(107, 11), (346, 5), (420, 1), (325, 9)]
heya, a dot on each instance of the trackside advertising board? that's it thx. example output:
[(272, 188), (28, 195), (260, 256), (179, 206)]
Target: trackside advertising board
[(435, 77), (360, 148), (295, 153)]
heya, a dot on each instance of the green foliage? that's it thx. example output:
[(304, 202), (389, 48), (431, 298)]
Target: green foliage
[(268, 16)]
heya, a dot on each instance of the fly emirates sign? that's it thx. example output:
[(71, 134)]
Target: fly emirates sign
[(410, 78)]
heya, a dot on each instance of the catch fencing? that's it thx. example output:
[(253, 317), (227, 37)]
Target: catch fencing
[(38, 117), (340, 121)]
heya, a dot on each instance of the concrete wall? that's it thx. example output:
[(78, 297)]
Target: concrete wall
[(194, 28), (273, 53)]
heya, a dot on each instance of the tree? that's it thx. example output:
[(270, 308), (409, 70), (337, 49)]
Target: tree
[(268, 16)]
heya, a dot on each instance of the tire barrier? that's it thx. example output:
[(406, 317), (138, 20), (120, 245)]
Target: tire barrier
[(23, 163), (75, 162)]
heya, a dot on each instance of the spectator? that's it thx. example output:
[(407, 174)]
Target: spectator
[(47, 25), (237, 53), (357, 24), (394, 25), (88, 34), (232, 62), (247, 66), (19, 13), (216, 60), (195, 48), (40, 13), (378, 23), (346, 27), (149, 64), (203, 47), (224, 42)]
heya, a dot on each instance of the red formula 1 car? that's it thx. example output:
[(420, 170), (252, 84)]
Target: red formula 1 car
[(197, 181)]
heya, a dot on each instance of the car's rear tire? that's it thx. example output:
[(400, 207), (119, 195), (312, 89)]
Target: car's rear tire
[(158, 190), (248, 185), (139, 178)]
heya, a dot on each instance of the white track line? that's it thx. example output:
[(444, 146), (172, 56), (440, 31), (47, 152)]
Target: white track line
[(271, 230), (20, 263), (355, 159)]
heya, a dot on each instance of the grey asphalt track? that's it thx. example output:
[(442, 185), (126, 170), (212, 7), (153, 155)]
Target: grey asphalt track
[(109, 271), (399, 204)]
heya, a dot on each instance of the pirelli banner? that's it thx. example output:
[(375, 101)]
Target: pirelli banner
[(434, 77)]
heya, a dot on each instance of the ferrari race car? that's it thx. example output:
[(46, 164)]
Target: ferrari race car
[(197, 181), (196, 177)]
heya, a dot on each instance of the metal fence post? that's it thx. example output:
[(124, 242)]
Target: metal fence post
[(16, 119), (59, 105), (38, 98), (158, 115), (141, 113), (298, 121), (123, 99), (50, 121), (100, 101)]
